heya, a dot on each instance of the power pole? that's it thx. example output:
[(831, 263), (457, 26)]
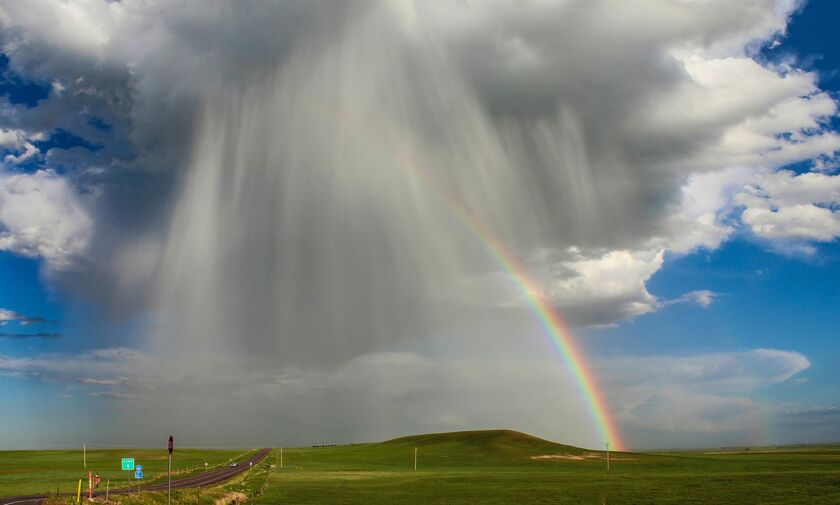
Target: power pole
[(608, 456), (415, 459), (169, 486)]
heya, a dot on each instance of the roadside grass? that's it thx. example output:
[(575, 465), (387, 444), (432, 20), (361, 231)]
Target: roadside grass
[(37, 472), (239, 489)]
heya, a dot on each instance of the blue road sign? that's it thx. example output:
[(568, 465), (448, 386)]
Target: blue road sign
[(138, 472)]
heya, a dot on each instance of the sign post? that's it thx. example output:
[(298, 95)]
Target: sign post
[(169, 494), (127, 465)]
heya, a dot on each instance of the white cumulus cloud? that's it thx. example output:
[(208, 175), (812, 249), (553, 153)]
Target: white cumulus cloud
[(42, 217), (784, 205)]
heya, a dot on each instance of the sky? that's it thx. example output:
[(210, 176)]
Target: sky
[(246, 226)]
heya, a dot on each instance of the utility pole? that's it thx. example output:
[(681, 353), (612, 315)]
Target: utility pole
[(608, 456), (169, 474), (415, 459)]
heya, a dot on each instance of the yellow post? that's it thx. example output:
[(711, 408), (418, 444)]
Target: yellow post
[(79, 492)]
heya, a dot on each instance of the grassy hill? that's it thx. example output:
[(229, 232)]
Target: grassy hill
[(464, 449), (504, 442), (486, 447)]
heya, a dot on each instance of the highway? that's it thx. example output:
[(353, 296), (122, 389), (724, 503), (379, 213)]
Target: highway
[(203, 479)]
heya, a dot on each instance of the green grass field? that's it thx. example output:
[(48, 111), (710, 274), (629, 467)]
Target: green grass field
[(483, 467), (495, 467), (36, 472)]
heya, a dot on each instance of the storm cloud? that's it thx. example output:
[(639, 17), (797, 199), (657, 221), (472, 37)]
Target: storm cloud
[(275, 180)]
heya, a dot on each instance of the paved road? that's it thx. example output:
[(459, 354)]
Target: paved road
[(202, 479)]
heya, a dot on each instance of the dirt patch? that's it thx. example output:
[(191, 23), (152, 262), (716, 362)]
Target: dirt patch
[(578, 457), (745, 451), (229, 498), (567, 457)]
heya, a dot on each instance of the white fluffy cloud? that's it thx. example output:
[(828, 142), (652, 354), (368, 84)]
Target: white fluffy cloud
[(8, 315), (602, 288), (783, 205), (10, 138), (42, 217), (20, 144)]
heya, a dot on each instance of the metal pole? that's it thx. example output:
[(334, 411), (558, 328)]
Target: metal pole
[(169, 494), (281, 456), (415, 459), (79, 492), (84, 455)]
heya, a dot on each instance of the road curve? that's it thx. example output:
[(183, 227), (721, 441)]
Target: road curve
[(202, 479)]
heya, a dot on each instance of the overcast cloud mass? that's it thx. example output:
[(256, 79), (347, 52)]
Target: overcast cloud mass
[(273, 190)]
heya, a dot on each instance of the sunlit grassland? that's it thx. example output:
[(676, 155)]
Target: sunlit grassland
[(505, 467), (483, 467)]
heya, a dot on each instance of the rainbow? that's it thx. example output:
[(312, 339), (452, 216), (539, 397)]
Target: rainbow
[(560, 336)]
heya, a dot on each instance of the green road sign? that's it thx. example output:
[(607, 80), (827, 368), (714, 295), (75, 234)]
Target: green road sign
[(128, 463)]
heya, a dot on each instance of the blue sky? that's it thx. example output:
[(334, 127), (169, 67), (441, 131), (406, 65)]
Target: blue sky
[(727, 324)]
